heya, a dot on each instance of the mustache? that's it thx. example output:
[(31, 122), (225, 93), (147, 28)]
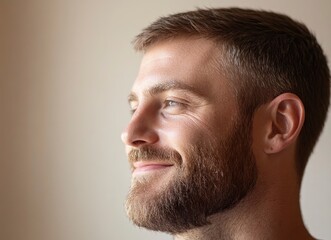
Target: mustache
[(155, 154)]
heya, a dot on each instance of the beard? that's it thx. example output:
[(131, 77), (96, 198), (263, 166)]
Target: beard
[(214, 177)]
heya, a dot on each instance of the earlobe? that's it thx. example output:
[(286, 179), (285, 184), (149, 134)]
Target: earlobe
[(287, 115)]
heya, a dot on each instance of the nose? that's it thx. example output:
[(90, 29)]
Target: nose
[(140, 130)]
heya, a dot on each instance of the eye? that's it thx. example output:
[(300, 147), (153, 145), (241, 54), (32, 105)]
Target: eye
[(132, 111), (173, 107), (133, 107), (171, 103)]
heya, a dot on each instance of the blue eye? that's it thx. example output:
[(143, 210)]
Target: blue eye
[(173, 107), (171, 103)]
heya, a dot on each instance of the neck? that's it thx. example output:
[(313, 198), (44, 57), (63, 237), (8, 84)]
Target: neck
[(262, 214)]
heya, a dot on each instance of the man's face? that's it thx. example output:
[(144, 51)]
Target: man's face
[(189, 148)]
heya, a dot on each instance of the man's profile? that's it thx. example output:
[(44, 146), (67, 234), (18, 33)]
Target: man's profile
[(226, 109)]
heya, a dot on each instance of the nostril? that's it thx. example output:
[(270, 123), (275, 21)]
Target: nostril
[(138, 142)]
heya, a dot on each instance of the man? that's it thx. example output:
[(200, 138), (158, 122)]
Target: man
[(226, 109)]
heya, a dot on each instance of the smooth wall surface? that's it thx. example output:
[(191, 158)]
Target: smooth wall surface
[(66, 68)]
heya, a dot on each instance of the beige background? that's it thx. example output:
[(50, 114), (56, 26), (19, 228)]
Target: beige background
[(66, 68)]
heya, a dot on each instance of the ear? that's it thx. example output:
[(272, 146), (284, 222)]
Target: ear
[(286, 118)]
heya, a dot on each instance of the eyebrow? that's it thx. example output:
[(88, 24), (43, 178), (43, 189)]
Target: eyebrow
[(166, 86)]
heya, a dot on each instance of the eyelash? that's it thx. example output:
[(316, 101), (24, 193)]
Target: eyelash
[(166, 104), (132, 111)]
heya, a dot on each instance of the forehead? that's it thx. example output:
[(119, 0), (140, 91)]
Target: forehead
[(196, 50), (193, 62)]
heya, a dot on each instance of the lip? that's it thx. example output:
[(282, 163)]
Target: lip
[(147, 166)]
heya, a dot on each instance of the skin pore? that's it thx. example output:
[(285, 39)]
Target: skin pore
[(200, 170)]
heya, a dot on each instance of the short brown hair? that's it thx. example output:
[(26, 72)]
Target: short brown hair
[(264, 54)]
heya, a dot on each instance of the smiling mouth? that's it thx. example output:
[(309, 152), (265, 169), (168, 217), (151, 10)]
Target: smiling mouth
[(142, 167)]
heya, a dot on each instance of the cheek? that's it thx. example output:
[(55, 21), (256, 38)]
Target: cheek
[(188, 131)]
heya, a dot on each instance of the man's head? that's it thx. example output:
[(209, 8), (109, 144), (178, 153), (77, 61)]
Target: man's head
[(203, 78)]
